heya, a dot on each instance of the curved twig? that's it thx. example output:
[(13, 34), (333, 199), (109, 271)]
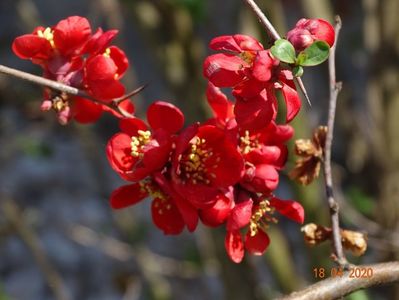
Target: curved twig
[(58, 86), (337, 287), (335, 88)]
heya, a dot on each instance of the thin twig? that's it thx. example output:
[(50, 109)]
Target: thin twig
[(58, 86), (275, 36), (335, 88), (13, 215), (351, 281)]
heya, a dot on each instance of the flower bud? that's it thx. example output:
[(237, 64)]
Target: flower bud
[(307, 31)]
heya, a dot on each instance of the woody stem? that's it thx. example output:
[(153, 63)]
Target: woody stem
[(335, 88), (58, 86)]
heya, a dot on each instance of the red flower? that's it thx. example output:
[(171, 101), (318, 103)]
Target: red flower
[(205, 160), (34, 46), (307, 31), (70, 54), (65, 39), (253, 73), (102, 74), (164, 211), (137, 152), (255, 214)]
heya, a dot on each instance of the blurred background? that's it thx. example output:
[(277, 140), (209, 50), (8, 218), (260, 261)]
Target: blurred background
[(60, 240)]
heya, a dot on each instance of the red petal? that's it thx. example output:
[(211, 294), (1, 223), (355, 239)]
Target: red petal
[(130, 126), (120, 60), (235, 43), (106, 89), (258, 243), (255, 113), (292, 101), (234, 246), (276, 134), (99, 41), (218, 213), (71, 34), (119, 153), (323, 31), (100, 67), (166, 216), (223, 70), (127, 195), (261, 179), (262, 66), (166, 116), (31, 46), (222, 108), (200, 196), (85, 111), (240, 215), (248, 43), (289, 208)]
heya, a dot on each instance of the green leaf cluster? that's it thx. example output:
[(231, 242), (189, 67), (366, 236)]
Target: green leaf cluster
[(313, 55)]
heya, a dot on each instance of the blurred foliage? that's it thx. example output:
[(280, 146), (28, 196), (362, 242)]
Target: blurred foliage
[(3, 295), (35, 147), (195, 7), (361, 201)]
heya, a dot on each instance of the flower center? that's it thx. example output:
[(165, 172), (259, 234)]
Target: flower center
[(247, 56), (261, 217), (161, 201), (139, 141), (194, 163), (247, 143), (48, 35)]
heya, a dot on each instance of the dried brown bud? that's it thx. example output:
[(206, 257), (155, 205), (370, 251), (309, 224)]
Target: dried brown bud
[(354, 241), (315, 234), (310, 152)]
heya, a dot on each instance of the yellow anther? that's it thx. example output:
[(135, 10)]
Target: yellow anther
[(107, 52), (138, 142), (48, 35)]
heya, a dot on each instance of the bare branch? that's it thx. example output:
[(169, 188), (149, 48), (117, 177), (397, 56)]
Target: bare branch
[(333, 204), (337, 287), (58, 86)]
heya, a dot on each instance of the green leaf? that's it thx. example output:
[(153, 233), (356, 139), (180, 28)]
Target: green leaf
[(284, 51), (313, 55), (297, 71)]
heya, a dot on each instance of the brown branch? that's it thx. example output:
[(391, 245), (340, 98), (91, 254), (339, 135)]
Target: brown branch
[(335, 88), (14, 217), (274, 35), (58, 86), (337, 287)]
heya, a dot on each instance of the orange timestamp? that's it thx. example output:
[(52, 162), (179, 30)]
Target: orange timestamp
[(354, 272)]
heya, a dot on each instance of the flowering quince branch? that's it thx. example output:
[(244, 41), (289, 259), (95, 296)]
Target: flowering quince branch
[(335, 88), (58, 86), (274, 34), (223, 171)]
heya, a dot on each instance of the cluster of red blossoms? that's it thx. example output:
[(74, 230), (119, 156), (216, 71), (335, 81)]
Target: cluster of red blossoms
[(223, 171), (69, 53)]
